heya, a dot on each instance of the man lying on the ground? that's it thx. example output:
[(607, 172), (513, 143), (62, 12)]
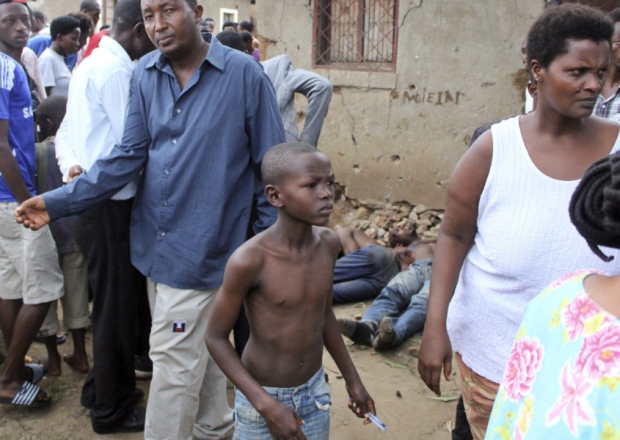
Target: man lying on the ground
[(382, 327), (367, 266)]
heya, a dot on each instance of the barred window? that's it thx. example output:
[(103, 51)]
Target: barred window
[(108, 11), (355, 34)]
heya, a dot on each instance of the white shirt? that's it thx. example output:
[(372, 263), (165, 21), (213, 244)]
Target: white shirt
[(54, 72), (96, 110)]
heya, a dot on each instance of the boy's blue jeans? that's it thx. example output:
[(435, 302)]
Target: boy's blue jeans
[(407, 290), (362, 274), (311, 401)]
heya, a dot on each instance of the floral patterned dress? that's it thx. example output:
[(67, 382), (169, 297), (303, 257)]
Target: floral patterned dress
[(562, 379)]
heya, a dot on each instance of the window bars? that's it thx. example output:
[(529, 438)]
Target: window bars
[(355, 34)]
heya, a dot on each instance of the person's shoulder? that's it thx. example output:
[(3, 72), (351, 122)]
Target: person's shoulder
[(147, 60), (6, 62), (240, 63), (482, 147), (602, 124), (249, 256), (279, 60), (101, 65), (8, 72), (328, 237), (47, 56), (28, 55)]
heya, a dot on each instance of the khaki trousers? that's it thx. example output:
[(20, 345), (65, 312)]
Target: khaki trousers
[(187, 398)]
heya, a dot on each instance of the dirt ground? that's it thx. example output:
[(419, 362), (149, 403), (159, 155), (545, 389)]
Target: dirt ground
[(404, 403)]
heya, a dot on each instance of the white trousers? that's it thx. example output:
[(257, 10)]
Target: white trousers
[(187, 397)]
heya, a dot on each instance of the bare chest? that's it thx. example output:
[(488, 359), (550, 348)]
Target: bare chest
[(297, 282)]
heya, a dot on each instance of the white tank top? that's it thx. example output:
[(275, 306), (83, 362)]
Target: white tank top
[(525, 241)]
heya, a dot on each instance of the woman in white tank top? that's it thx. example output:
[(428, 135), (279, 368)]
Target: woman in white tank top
[(506, 233)]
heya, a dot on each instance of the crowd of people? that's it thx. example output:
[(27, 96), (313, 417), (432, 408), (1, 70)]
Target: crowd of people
[(115, 188)]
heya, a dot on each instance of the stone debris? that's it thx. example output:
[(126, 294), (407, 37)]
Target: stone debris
[(375, 218)]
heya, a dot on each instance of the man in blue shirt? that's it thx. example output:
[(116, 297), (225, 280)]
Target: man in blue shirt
[(30, 277), (200, 119)]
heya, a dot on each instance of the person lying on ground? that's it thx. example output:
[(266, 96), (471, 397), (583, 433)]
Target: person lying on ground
[(366, 266), (400, 309)]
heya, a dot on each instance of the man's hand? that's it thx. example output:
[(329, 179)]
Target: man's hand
[(360, 402), (283, 422), (32, 213), (74, 171)]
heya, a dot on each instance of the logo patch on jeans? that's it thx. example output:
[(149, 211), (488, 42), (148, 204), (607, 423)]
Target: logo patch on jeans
[(178, 327)]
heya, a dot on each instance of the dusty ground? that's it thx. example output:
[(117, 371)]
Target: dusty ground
[(415, 415), (404, 403)]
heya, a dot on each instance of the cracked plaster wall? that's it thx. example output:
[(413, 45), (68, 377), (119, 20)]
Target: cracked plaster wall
[(398, 135)]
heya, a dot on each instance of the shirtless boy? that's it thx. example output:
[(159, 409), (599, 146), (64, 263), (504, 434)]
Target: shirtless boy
[(284, 276)]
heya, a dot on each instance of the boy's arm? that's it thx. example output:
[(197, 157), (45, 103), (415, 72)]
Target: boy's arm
[(362, 403), (241, 275)]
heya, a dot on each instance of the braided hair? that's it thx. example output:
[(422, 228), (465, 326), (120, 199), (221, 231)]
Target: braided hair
[(595, 206)]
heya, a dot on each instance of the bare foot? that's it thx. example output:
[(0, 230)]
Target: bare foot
[(52, 365), (76, 363), (9, 390)]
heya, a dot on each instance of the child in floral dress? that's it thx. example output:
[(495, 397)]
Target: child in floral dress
[(563, 374)]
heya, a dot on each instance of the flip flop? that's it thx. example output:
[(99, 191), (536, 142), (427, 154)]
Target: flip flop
[(38, 372), (26, 396)]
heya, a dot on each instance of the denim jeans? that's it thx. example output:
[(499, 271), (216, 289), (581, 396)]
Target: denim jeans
[(362, 274), (408, 289), (311, 401)]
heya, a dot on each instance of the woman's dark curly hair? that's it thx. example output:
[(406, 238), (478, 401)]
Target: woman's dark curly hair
[(550, 34), (595, 206)]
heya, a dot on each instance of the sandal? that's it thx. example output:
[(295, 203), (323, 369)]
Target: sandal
[(26, 396)]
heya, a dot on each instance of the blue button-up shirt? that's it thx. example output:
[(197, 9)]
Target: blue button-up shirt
[(200, 149)]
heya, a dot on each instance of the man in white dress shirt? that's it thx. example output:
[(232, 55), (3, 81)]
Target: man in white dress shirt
[(93, 125)]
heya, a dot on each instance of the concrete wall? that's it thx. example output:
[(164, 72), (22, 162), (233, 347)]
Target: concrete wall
[(55, 8), (397, 135)]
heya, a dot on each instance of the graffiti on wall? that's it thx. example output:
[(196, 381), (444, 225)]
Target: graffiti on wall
[(444, 97)]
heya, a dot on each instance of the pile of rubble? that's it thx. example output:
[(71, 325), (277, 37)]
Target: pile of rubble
[(376, 218)]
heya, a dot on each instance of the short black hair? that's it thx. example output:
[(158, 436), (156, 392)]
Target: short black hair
[(549, 36), (86, 24), (278, 160), (38, 15), (90, 6), (127, 14), (192, 3), (245, 36), (229, 23), (614, 15), (231, 39), (209, 19), (63, 25), (246, 26), (52, 107)]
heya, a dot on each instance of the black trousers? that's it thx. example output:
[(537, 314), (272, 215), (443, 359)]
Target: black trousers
[(102, 235), (461, 429)]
